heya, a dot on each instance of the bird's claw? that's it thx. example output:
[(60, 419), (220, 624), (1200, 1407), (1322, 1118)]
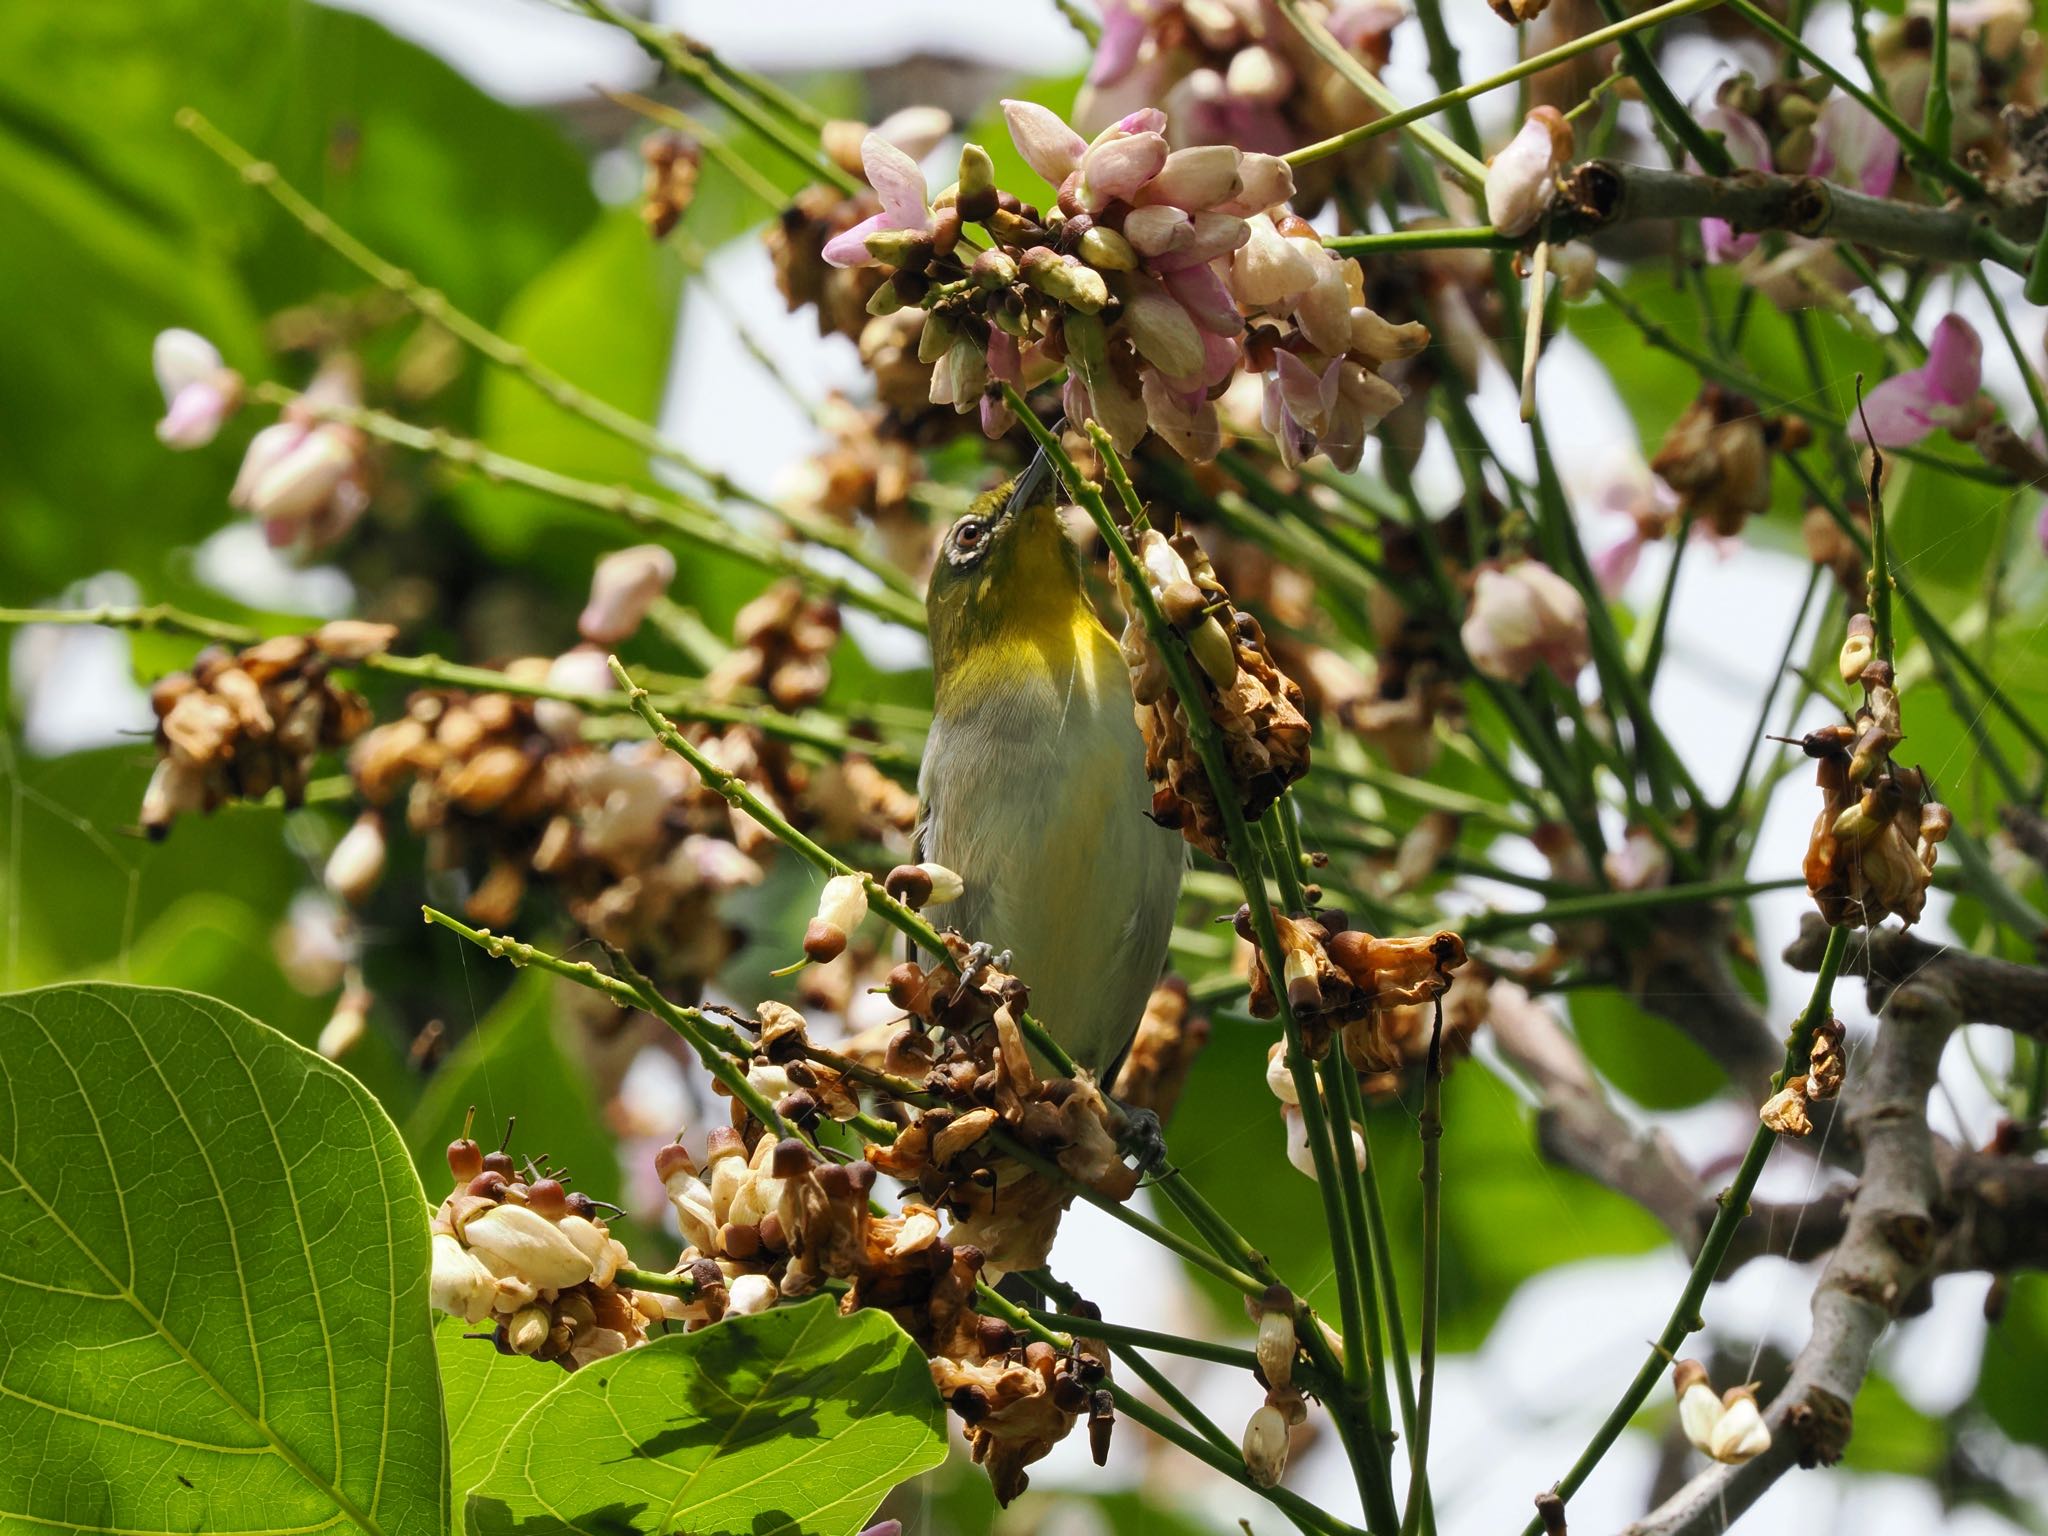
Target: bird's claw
[(1144, 1139)]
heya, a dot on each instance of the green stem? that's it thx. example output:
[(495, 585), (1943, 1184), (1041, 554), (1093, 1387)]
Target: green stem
[(1309, 1516), (2028, 376), (691, 63), (1461, 156), (634, 991), (673, 513), (1535, 65), (1728, 1215), (1670, 113), (1939, 117), (1145, 1338), (649, 1280), (1613, 903), (1917, 150), (1430, 1127), (159, 617), (1243, 859), (1477, 237), (434, 305)]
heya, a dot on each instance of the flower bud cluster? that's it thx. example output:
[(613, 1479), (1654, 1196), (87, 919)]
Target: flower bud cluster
[(1170, 1035), (1873, 846), (1340, 978), (1785, 1111), (1727, 1427), (239, 725), (1154, 278), (669, 186), (1717, 457), (774, 1220), (783, 648), (964, 1050), (515, 1248), (305, 478), (1241, 73), (1256, 708), (867, 472)]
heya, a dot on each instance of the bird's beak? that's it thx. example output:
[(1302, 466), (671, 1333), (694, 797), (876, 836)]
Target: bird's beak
[(1030, 484)]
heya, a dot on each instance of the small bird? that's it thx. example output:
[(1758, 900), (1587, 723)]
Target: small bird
[(1033, 786)]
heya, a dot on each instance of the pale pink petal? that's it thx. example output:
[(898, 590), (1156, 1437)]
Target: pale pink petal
[(195, 415), (1955, 361), (1207, 301), (1196, 178), (1123, 31), (1720, 242), (1005, 363), (1114, 170), (1741, 135), (996, 416), (1897, 412), (1158, 232), (897, 181), (1615, 562), (1047, 144), (1144, 120), (1853, 149), (1162, 330), (849, 248), (917, 131), (1267, 179), (183, 357)]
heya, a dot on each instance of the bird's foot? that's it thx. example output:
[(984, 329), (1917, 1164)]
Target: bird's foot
[(1144, 1139)]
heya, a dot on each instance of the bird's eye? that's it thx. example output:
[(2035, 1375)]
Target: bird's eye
[(970, 534)]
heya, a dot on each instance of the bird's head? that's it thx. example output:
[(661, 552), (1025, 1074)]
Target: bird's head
[(1006, 591)]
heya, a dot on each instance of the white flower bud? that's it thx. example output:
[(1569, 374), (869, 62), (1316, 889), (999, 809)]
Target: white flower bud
[(460, 1286), (749, 1294), (694, 1211), (919, 1231), (345, 1030), (357, 862), (1741, 1433), (1278, 1077), (1276, 1347), (841, 906), (1268, 269), (946, 886), (1265, 1446), (530, 1245), (1522, 179), (622, 589), (200, 390), (527, 1329), (594, 1243)]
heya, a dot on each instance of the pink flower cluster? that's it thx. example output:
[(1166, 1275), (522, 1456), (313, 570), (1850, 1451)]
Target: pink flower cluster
[(1155, 277)]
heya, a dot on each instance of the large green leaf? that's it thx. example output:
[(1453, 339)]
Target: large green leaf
[(795, 1420), (486, 1393), (213, 1279)]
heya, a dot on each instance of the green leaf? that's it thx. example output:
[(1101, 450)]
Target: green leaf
[(602, 315), (1641, 1054), (794, 1420), (213, 1278), (485, 1393), (2009, 1383)]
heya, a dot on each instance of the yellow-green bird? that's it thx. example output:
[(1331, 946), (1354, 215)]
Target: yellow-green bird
[(1033, 785)]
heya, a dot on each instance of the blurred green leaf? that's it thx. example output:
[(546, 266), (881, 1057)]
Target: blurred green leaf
[(602, 315), (215, 1278), (2009, 1384), (796, 1419), (1892, 1435), (1641, 1054)]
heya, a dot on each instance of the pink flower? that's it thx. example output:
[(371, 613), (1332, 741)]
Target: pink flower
[(1522, 179), (2041, 528), (1524, 616), (1743, 137), (200, 390), (1639, 864), (1328, 409), (1853, 149), (1123, 33), (1939, 393), (622, 589), (900, 185), (305, 478)]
